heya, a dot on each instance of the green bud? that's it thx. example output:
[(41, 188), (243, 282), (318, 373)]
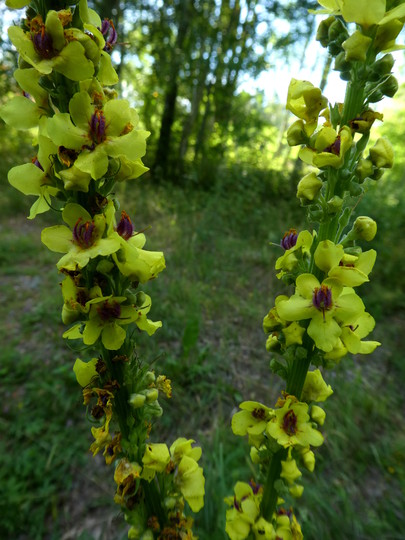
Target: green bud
[(356, 47), (149, 378), (335, 204), (382, 154), (353, 250), (308, 187), (377, 174), (337, 31), (105, 267), (155, 409), (137, 400), (308, 459), (390, 86), (387, 34), (152, 395), (355, 189), (375, 96), (272, 343), (322, 34), (345, 75), (296, 491), (296, 133), (169, 502), (315, 214), (255, 455), (384, 65), (289, 471), (318, 415), (341, 64), (365, 228), (364, 169), (140, 298)]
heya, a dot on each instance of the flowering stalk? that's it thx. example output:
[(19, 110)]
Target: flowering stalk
[(88, 140), (324, 319)]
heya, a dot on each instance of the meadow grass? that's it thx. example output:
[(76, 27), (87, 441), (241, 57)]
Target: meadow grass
[(218, 285)]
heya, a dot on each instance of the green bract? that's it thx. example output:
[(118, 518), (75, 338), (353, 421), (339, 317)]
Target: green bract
[(97, 134)]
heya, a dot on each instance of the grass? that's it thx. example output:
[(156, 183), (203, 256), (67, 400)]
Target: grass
[(218, 285)]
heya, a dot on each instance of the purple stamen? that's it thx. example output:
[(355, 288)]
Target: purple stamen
[(255, 487), (108, 311), (125, 227), (289, 239), (83, 233), (290, 423), (43, 44), (322, 298), (334, 148), (97, 126), (37, 163), (109, 33)]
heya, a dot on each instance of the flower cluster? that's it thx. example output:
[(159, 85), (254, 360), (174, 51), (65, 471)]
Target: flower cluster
[(324, 318), (87, 140)]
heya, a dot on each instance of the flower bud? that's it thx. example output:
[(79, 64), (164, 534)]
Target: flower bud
[(290, 471), (384, 65), (140, 298), (149, 378), (254, 455), (151, 395), (134, 532), (390, 86), (356, 47), (341, 64), (296, 133), (386, 35), (322, 33), (170, 503), (308, 459), (382, 154), (315, 388), (155, 409), (296, 491), (308, 187), (337, 31), (318, 415), (137, 400), (272, 342), (335, 204), (365, 228), (364, 169)]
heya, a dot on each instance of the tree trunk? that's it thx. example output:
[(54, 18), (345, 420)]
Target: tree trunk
[(160, 166)]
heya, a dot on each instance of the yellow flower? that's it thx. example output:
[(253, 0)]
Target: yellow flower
[(291, 426), (155, 459), (252, 419), (305, 101), (315, 388)]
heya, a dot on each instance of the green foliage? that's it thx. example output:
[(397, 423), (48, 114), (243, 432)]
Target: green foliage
[(385, 202), (212, 302)]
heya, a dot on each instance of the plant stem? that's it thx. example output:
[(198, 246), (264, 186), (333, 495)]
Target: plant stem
[(270, 493)]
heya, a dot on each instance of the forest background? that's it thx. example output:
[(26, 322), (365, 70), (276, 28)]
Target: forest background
[(220, 190)]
